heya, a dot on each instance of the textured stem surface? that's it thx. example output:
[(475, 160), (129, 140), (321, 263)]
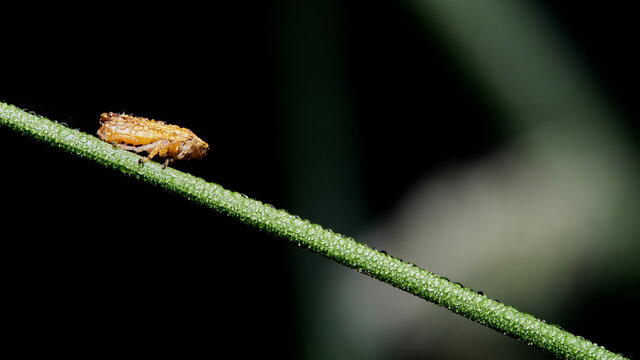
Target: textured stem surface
[(342, 249)]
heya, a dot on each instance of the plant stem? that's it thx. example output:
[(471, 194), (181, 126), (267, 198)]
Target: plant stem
[(339, 248)]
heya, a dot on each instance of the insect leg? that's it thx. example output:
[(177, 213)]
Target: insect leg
[(167, 162), (126, 147), (138, 149), (153, 149), (182, 154), (152, 153)]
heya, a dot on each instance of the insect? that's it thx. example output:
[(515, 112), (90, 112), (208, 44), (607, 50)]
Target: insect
[(154, 137)]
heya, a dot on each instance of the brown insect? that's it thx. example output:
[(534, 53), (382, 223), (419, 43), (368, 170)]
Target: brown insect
[(154, 137)]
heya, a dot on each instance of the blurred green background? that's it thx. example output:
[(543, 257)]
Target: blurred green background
[(493, 142), (540, 210)]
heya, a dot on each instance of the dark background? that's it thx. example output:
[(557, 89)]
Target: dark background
[(98, 259)]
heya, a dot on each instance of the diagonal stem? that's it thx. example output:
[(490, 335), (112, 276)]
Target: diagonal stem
[(342, 249)]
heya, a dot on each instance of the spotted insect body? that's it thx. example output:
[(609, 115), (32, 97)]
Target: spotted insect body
[(140, 134)]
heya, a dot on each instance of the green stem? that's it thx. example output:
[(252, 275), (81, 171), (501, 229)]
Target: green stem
[(342, 249)]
